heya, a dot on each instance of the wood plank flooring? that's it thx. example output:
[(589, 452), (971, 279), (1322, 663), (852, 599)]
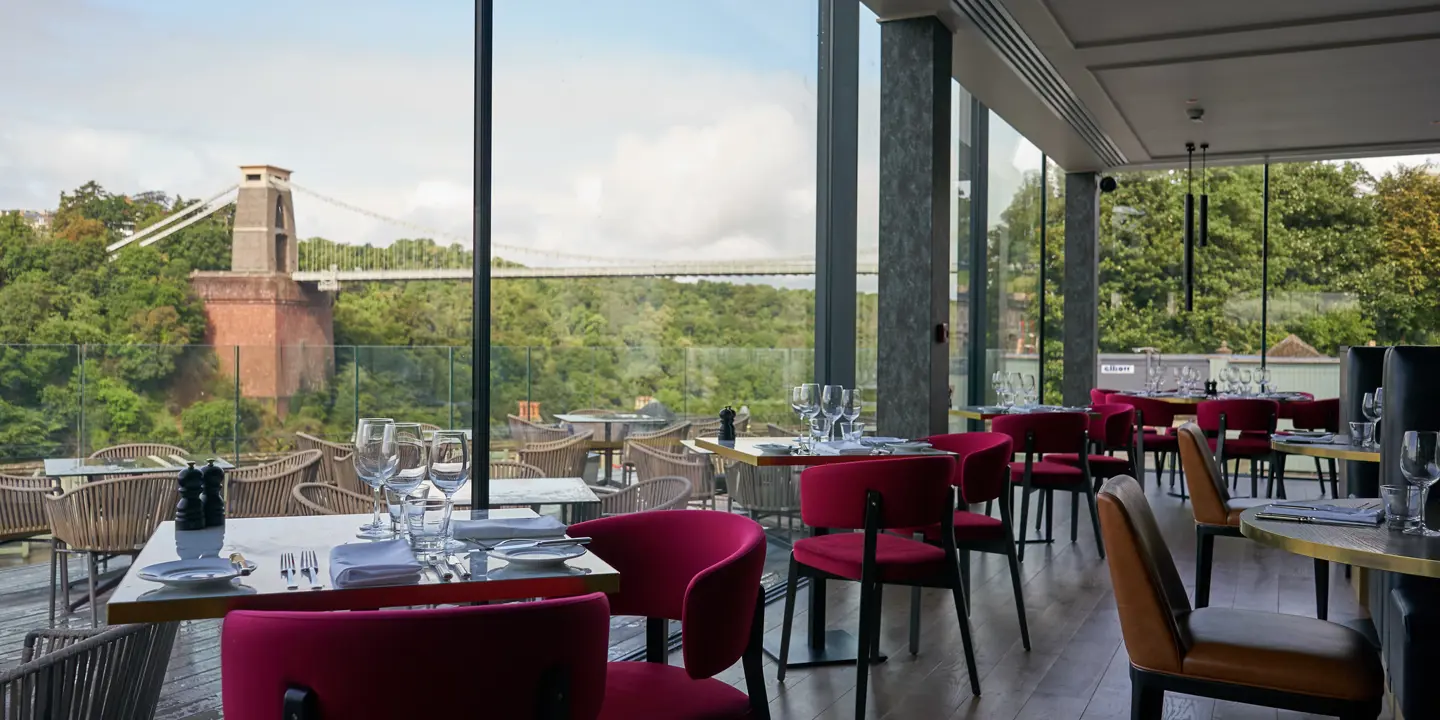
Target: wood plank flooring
[(1077, 670)]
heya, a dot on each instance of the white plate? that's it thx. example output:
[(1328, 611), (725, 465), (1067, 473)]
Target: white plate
[(185, 573), (534, 557)]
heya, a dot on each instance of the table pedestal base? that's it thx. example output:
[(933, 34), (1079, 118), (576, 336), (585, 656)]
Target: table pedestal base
[(839, 648)]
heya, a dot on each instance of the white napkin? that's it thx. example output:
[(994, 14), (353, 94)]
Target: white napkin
[(774, 447), (881, 440), (1307, 439), (365, 564), (508, 528), (1331, 512), (841, 447)]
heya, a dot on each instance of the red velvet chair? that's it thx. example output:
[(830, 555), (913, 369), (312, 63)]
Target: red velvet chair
[(1255, 419), (982, 471), (1111, 430), (699, 567), (1154, 421), (874, 496), (1100, 396), (542, 660), (1317, 415), (1037, 435)]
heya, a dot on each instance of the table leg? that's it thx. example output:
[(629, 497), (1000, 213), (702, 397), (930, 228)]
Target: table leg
[(1277, 475), (1322, 589), (608, 454)]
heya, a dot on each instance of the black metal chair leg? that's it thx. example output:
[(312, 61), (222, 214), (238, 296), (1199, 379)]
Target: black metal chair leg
[(54, 576), (964, 557), (879, 615), (1074, 517), (962, 614), (862, 648), (791, 583), (93, 572), (1334, 481), (1204, 557), (1049, 515), (1095, 521), (1322, 589), (1024, 515), (1147, 702), (915, 620), (1019, 595)]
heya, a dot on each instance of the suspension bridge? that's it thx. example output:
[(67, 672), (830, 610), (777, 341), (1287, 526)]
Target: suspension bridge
[(447, 257)]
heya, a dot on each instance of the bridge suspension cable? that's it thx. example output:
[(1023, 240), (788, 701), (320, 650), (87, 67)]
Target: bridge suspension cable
[(193, 213)]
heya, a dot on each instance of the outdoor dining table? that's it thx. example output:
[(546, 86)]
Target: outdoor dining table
[(263, 540), (64, 470), (824, 647), (576, 499), (1337, 448), (606, 445), (987, 413)]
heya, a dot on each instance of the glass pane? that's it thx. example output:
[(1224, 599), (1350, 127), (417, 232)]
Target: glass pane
[(1013, 252), (1053, 353), (867, 211), (962, 188)]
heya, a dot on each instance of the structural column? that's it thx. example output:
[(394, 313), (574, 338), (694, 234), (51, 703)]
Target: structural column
[(1082, 287), (913, 362), (838, 117)]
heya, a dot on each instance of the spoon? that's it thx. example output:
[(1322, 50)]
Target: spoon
[(238, 561)]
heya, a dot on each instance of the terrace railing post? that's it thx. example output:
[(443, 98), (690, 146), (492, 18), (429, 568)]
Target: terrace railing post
[(236, 431)]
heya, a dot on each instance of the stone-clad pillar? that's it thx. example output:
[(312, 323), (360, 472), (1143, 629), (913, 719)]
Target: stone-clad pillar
[(1082, 287), (913, 350)]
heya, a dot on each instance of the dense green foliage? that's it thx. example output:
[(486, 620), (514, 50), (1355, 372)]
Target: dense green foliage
[(122, 337)]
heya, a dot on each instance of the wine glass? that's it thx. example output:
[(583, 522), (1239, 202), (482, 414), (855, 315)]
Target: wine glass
[(1262, 375), (851, 404), (412, 458), (997, 383), (448, 471), (375, 459), (798, 402), (831, 405), (1418, 463), (1370, 406), (810, 396), (1027, 388), (1245, 376)]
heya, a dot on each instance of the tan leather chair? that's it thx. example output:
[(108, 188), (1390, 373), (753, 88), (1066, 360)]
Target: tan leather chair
[(1259, 658), (1216, 513)]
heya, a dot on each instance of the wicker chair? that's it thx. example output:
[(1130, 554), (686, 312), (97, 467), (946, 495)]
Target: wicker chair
[(653, 463), (511, 470), (114, 672), (131, 451), (322, 499), (299, 458), (710, 428), (667, 438), (338, 466), (763, 491), (662, 493), (114, 517), (773, 430), (269, 495), (527, 433), (560, 458), (429, 428), (22, 508)]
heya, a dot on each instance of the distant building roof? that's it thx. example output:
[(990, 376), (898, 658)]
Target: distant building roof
[(1293, 346)]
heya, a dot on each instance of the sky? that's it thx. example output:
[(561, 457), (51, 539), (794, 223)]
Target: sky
[(626, 129)]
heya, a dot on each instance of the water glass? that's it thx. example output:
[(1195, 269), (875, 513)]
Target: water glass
[(1362, 434), (448, 471), (805, 400), (1420, 465), (1402, 506), (852, 431), (375, 458), (1027, 389), (831, 406), (425, 530)]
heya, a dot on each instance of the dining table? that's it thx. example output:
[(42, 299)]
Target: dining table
[(577, 500), (262, 541), (608, 444), (1336, 447), (822, 646), (68, 471), (986, 413)]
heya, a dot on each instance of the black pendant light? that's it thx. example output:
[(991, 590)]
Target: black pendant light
[(1188, 277), (1204, 197)]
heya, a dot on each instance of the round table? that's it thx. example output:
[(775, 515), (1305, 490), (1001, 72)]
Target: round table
[(1379, 547), (1340, 449)]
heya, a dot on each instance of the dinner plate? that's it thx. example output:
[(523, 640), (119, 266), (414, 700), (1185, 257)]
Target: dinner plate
[(187, 573), (537, 557)]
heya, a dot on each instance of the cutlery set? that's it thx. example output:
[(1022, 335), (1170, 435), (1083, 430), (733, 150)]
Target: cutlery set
[(308, 566), (445, 567)]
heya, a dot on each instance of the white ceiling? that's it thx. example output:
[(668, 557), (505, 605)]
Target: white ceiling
[(1278, 79)]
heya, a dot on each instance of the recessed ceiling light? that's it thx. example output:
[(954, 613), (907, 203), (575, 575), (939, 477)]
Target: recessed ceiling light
[(1192, 101)]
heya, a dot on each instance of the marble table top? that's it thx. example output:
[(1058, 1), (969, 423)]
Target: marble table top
[(611, 419), (88, 467), (533, 491), (262, 540)]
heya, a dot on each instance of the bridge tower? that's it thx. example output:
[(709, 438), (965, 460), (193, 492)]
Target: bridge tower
[(284, 329)]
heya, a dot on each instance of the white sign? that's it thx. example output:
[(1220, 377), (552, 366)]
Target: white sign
[(1117, 369)]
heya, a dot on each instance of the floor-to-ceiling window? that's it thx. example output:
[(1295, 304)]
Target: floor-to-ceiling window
[(1012, 281), (867, 200), (1050, 312)]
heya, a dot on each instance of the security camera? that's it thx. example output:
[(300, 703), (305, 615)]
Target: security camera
[(1196, 114), (1108, 184)]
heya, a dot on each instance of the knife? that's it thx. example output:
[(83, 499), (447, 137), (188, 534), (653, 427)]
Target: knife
[(442, 571), (1314, 521), (461, 567)]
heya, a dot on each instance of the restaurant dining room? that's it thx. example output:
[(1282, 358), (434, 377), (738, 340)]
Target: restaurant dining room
[(806, 360)]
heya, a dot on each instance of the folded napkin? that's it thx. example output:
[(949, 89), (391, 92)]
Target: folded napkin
[(774, 447), (881, 440), (1326, 439), (841, 447), (508, 528), (365, 564), (1330, 513)]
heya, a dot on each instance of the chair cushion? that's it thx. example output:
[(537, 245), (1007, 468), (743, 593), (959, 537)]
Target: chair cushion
[(1163, 443), (898, 558), (656, 690), (1290, 653), (1101, 466), (968, 526), (1235, 506), (1046, 474), (1244, 447)]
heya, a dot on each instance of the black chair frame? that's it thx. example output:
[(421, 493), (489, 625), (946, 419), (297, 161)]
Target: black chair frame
[(1148, 688), (1085, 486)]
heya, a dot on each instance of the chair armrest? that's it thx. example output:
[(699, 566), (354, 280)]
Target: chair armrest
[(39, 643)]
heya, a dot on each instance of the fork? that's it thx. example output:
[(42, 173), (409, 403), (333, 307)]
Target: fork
[(310, 567), (287, 570)]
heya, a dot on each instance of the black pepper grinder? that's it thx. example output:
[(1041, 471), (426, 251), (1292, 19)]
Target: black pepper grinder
[(214, 482), (727, 425), (190, 512)]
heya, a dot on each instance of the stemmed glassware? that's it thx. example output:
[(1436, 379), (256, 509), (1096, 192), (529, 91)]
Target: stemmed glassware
[(806, 401), (412, 461), (997, 383), (1245, 377), (376, 457), (1421, 467), (1262, 375), (1027, 390), (448, 471), (831, 405), (1373, 407), (851, 404)]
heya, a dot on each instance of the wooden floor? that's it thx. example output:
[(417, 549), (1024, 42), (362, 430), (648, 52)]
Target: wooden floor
[(1076, 671)]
